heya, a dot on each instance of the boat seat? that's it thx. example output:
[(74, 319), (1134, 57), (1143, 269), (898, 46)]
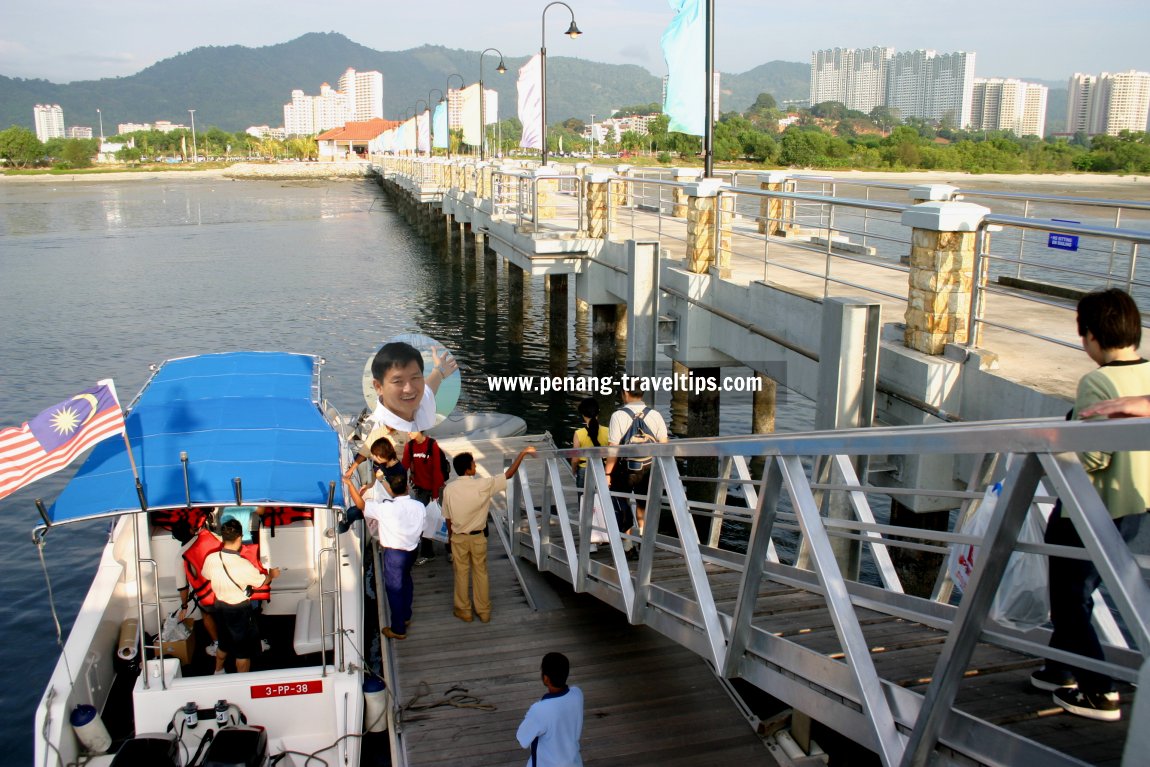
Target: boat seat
[(291, 550), (307, 626)]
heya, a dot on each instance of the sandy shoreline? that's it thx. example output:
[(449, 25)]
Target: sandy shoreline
[(1071, 184)]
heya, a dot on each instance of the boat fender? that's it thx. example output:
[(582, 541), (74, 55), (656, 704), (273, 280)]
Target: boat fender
[(375, 704), (129, 643), (90, 729)]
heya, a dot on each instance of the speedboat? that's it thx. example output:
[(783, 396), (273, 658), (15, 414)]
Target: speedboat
[(245, 432)]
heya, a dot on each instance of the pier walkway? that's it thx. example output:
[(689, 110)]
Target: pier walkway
[(648, 701)]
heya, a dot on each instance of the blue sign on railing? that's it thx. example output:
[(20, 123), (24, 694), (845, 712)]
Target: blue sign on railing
[(1062, 241)]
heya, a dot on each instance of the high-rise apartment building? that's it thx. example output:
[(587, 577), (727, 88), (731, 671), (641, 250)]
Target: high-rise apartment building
[(856, 77), (931, 86), (49, 120), (999, 104), (1109, 103), (364, 94)]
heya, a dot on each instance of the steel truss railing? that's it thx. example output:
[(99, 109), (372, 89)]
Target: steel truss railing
[(902, 726)]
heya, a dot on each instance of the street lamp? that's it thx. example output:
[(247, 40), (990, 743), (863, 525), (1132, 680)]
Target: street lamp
[(431, 121), (592, 137), (572, 32), (461, 84), (195, 153), (100, 116), (483, 101)]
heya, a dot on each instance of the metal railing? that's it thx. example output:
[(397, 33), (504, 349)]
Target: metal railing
[(550, 525)]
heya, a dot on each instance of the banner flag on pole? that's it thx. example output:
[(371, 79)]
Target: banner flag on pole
[(469, 114), (422, 129), (530, 90), (684, 48), (439, 126), (57, 436)]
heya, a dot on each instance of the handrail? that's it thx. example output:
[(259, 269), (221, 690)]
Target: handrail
[(1041, 466)]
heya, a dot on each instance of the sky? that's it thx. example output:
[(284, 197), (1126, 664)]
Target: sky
[(64, 41)]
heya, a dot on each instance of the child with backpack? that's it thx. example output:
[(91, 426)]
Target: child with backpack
[(633, 424)]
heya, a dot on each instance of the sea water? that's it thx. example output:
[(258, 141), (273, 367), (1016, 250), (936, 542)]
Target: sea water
[(103, 279)]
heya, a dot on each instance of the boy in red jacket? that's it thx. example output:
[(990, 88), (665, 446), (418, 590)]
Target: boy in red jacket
[(429, 468)]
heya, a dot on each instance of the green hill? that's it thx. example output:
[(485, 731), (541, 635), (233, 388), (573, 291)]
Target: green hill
[(233, 87)]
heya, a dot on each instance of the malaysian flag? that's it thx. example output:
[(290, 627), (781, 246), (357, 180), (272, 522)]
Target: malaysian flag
[(53, 439)]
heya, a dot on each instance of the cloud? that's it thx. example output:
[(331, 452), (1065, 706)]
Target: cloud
[(104, 58), (12, 48)]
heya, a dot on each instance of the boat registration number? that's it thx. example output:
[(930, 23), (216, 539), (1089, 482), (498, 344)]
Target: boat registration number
[(286, 688)]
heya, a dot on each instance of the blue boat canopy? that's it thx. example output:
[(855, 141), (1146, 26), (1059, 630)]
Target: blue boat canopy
[(245, 414)]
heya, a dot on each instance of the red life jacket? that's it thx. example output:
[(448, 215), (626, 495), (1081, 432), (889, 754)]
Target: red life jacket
[(205, 543), (194, 557), (275, 516), (167, 518), (428, 465)]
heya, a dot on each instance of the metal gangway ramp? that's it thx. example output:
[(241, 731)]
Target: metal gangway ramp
[(916, 680)]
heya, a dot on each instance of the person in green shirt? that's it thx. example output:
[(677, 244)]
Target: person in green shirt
[(1110, 326)]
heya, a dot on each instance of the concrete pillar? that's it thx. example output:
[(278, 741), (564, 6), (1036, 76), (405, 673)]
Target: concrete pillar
[(490, 282), (642, 305), (557, 323), (771, 209), (679, 194), (702, 421), (763, 405), (603, 345), (679, 401), (581, 169), (486, 173), (942, 259), (917, 570), (598, 209), (514, 303), (709, 217), (621, 190)]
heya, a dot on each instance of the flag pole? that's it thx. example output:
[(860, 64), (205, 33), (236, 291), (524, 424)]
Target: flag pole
[(142, 634), (709, 130)]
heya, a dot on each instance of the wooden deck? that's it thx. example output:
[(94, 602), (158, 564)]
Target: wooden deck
[(648, 701)]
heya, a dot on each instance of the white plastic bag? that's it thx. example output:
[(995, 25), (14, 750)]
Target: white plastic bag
[(1023, 598), (434, 525), (598, 521), (964, 556), (174, 630)]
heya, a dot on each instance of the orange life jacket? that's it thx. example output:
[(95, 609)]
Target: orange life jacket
[(204, 544), (194, 557)]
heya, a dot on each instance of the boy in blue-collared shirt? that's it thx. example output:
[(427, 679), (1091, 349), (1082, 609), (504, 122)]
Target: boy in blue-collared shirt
[(554, 724)]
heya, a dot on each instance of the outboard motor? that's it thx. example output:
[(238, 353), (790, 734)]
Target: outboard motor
[(240, 746)]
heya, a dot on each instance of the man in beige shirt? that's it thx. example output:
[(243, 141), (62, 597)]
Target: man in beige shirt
[(233, 577), (466, 502)]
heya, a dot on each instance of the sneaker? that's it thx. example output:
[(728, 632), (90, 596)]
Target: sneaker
[(421, 561), (1102, 706), (212, 649), (221, 671), (265, 645), (1050, 680)]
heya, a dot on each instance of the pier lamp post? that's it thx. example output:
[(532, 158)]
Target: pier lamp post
[(195, 152), (572, 32), (100, 117), (461, 84), (592, 137), (483, 100), (431, 120)]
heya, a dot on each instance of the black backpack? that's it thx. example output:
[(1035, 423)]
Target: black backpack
[(638, 433)]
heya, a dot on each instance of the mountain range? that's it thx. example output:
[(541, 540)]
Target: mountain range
[(233, 87)]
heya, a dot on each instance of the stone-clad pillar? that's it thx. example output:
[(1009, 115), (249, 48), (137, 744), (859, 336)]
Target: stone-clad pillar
[(621, 190), (942, 257), (703, 208), (771, 209), (680, 194), (598, 209), (486, 171), (546, 193)]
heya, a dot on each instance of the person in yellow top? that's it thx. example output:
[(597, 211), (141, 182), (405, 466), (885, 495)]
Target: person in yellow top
[(1110, 326), (593, 434)]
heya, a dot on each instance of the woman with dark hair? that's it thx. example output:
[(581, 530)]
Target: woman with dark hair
[(591, 435)]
